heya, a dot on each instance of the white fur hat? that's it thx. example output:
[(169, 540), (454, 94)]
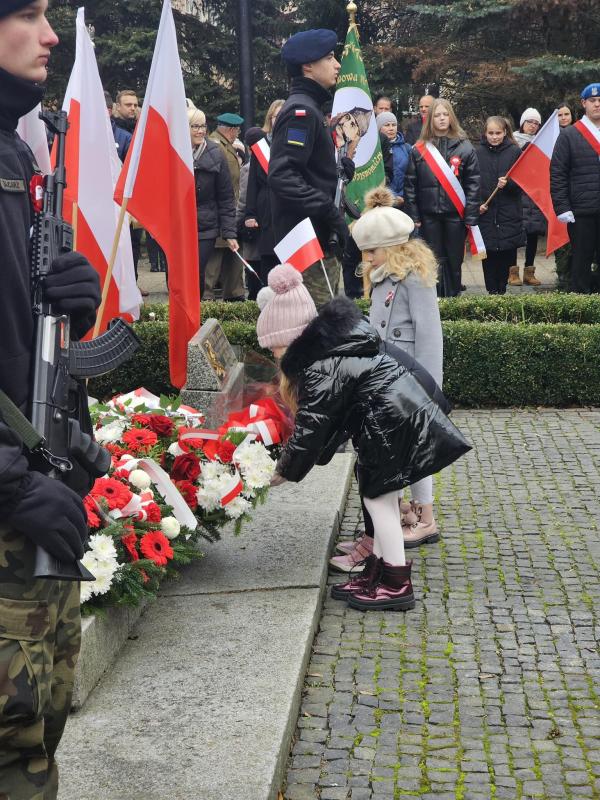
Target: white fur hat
[(530, 115), (381, 225)]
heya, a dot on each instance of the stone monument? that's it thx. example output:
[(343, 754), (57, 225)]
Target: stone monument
[(215, 377)]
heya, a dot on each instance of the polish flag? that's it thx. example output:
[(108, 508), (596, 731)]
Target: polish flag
[(33, 131), (262, 152), (92, 167), (157, 182), (300, 247), (531, 171)]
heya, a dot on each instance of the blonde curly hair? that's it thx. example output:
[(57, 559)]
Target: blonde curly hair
[(402, 259)]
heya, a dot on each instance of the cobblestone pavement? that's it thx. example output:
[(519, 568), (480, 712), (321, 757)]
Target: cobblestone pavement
[(490, 687)]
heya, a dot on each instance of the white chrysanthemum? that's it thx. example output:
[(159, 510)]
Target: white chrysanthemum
[(170, 527), (238, 506), (104, 574), (175, 450), (102, 547), (213, 470), (86, 591), (109, 433), (140, 479), (209, 495)]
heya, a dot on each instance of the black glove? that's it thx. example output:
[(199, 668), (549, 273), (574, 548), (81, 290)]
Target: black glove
[(349, 167), (338, 233), (50, 514), (73, 287)]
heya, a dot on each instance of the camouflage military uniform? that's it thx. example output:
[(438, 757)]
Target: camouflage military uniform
[(40, 632), (315, 282)]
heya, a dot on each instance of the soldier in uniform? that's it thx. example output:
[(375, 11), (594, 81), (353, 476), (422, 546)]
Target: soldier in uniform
[(39, 619), (302, 167)]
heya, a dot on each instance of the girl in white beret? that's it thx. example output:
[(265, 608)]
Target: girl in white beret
[(404, 311)]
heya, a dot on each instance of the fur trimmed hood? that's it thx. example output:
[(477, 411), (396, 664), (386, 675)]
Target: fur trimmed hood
[(339, 330)]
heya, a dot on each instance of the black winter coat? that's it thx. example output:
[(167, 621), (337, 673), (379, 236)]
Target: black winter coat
[(214, 194), (502, 225), (346, 386), (423, 193), (574, 175), (302, 168), (258, 207)]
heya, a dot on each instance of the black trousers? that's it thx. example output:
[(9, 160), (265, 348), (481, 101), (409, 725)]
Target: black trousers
[(205, 251), (530, 249), (446, 237), (136, 247), (263, 267), (584, 234), (496, 268), (353, 285)]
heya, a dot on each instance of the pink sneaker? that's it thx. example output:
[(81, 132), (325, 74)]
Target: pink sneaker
[(353, 561), (349, 545)]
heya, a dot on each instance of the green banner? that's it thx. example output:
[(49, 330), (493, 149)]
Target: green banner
[(353, 121)]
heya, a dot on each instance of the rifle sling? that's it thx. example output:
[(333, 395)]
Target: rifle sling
[(18, 422)]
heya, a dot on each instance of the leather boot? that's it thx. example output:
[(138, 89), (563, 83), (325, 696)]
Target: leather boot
[(513, 277), (341, 591), (408, 514), (529, 278), (349, 545), (423, 531), (354, 560), (392, 592)]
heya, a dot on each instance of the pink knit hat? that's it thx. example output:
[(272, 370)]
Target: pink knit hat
[(288, 312)]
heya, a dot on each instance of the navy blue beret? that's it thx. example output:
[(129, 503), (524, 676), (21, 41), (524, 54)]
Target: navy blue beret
[(9, 6), (592, 90), (308, 46)]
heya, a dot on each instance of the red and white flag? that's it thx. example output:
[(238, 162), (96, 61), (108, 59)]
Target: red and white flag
[(453, 188), (157, 182), (531, 171), (262, 152), (33, 131), (300, 247), (92, 167)]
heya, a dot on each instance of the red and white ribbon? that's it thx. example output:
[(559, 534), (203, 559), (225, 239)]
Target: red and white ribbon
[(262, 152), (589, 132), (451, 185), (232, 488)]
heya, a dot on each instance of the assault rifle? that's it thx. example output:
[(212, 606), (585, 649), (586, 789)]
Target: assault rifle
[(58, 361)]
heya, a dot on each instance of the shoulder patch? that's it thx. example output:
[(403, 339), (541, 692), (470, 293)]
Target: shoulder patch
[(12, 185), (296, 136)]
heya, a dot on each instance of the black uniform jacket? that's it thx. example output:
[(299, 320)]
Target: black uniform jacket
[(574, 175), (502, 224), (347, 386), (214, 194), (302, 166), (258, 207), (16, 320), (423, 193)]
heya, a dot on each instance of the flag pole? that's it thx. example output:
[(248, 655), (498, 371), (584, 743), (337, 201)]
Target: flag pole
[(248, 267), (109, 271), (327, 278)]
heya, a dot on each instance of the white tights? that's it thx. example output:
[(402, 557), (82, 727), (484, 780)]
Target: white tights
[(422, 491), (389, 541)]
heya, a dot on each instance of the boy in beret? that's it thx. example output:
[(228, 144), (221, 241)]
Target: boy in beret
[(575, 187), (302, 168)]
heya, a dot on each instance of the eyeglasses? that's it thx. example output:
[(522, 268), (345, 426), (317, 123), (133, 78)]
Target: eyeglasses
[(198, 127)]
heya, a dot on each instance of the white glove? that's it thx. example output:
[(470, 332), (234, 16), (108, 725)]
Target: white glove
[(566, 216)]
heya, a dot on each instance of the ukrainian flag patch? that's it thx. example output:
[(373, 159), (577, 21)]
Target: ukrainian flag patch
[(297, 136)]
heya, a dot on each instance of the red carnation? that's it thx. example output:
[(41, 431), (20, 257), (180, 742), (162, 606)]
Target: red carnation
[(129, 542), (115, 450), (116, 494), (139, 439), (91, 509), (188, 492), (141, 419), (156, 547), (160, 424), (222, 449), (185, 468), (152, 512)]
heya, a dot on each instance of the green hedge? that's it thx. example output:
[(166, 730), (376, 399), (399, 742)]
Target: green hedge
[(491, 364), (551, 307)]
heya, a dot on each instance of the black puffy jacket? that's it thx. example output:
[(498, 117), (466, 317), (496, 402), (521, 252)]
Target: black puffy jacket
[(214, 194), (345, 385), (423, 193), (574, 175), (502, 225), (302, 167)]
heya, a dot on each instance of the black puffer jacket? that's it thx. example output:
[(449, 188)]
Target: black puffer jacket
[(302, 168), (574, 175), (423, 193), (214, 194), (347, 386), (502, 225)]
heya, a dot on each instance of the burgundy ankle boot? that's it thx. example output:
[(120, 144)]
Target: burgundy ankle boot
[(393, 591), (342, 591)]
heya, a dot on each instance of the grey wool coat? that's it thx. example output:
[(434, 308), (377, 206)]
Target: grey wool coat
[(406, 313)]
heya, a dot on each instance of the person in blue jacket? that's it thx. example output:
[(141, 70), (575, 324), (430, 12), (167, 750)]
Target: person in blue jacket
[(387, 124)]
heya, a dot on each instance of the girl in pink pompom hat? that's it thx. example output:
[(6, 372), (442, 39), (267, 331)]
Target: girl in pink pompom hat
[(340, 385)]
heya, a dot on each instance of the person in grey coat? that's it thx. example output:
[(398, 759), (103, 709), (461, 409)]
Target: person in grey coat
[(404, 311)]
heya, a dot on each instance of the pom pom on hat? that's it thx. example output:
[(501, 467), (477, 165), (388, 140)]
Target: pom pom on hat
[(264, 296), (381, 196), (288, 311)]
